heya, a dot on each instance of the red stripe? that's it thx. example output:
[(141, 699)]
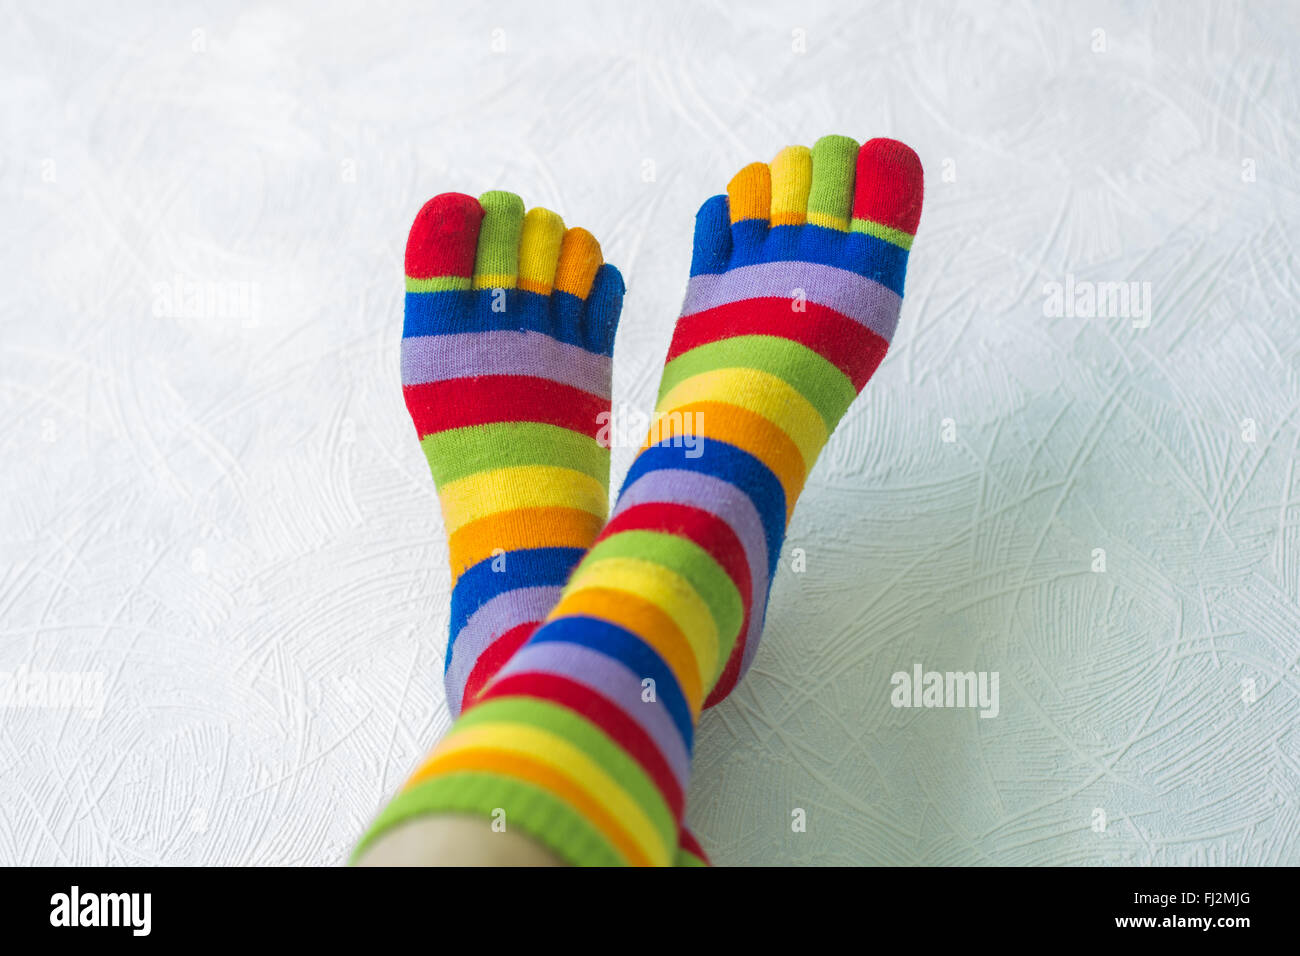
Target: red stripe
[(605, 714), (485, 399), (730, 673), (493, 658), (702, 527), (851, 347), (717, 538)]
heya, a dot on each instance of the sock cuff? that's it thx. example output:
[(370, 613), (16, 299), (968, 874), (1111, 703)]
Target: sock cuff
[(544, 817)]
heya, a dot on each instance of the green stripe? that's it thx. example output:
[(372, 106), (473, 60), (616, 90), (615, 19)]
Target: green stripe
[(686, 858), (896, 236), (438, 284), (827, 388), (459, 452), (557, 719), (687, 559), (540, 814)]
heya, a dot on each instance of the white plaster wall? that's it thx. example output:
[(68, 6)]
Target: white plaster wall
[(228, 519)]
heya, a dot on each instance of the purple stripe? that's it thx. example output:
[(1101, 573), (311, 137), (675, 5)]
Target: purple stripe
[(437, 358), (863, 300), (494, 618), (725, 501), (613, 681)]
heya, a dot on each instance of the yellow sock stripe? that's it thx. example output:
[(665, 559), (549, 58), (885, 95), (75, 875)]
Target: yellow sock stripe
[(558, 754), (521, 529), (761, 393), (838, 223), (521, 486), (666, 590)]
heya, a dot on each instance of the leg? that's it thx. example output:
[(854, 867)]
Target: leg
[(510, 322), (455, 841)]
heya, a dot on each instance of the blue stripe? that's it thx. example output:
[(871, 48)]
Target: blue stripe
[(525, 568), (558, 315), (858, 252), (732, 465), (629, 650)]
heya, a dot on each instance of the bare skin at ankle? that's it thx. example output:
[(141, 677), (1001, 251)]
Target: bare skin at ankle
[(451, 840)]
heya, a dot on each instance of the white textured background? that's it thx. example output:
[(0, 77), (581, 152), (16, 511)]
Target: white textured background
[(227, 516)]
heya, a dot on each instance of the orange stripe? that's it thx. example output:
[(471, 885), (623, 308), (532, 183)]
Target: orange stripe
[(521, 528), (543, 777), (647, 622), (747, 431)]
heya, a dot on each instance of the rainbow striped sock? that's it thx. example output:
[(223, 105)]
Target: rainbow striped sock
[(584, 737), (506, 364), (510, 322)]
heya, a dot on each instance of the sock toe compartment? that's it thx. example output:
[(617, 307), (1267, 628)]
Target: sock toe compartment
[(604, 305), (539, 250), (444, 238), (496, 265), (749, 194), (888, 191), (830, 201), (580, 257), (712, 236), (791, 173)]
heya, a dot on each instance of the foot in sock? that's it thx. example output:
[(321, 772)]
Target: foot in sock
[(510, 322), (584, 737), (796, 283)]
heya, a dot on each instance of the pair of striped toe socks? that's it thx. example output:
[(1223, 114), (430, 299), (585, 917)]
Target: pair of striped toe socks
[(584, 646)]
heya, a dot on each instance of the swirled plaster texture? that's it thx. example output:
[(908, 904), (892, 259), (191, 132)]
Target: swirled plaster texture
[(217, 505)]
